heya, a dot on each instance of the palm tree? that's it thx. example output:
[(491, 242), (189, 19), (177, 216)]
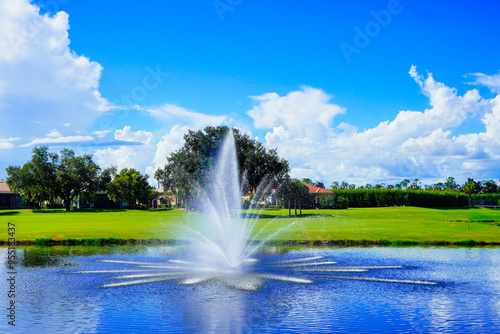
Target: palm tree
[(405, 183), (468, 188)]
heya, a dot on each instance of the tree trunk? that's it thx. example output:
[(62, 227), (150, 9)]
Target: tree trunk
[(300, 209), (289, 210), (67, 204), (295, 205)]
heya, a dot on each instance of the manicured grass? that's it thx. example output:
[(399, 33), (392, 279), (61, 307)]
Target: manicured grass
[(393, 224)]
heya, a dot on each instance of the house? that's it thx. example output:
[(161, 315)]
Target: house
[(8, 199), (318, 192)]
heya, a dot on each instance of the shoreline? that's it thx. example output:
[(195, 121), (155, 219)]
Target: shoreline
[(177, 242)]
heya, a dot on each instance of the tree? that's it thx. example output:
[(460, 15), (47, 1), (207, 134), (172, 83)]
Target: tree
[(468, 188), (20, 180), (307, 180), (450, 184), (344, 185), (335, 185), (478, 186), (415, 185), (296, 192), (192, 164), (438, 186), (405, 183), (76, 176), (130, 185), (319, 184), (489, 187), (36, 179)]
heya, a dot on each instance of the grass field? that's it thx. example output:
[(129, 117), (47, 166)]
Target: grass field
[(392, 224)]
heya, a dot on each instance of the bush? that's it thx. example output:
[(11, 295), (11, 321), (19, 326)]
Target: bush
[(341, 202), (396, 197)]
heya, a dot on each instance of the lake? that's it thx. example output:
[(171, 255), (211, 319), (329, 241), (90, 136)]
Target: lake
[(397, 294)]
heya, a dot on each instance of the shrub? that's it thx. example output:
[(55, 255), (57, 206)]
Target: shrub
[(341, 202), (397, 197)]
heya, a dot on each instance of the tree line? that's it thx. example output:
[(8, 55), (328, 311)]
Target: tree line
[(65, 176), (479, 187)]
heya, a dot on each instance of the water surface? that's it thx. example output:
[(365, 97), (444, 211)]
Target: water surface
[(50, 298)]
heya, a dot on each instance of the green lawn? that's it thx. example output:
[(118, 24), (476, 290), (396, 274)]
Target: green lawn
[(395, 223)]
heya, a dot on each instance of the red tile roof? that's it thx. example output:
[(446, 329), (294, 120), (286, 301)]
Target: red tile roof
[(4, 188), (317, 190)]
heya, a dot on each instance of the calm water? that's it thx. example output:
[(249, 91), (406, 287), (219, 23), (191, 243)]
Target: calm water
[(50, 299)]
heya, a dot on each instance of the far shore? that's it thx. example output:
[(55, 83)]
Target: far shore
[(386, 226)]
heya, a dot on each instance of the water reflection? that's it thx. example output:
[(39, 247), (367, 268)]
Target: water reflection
[(466, 299), (60, 256)]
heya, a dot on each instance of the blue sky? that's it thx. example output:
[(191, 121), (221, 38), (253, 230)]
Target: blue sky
[(362, 91)]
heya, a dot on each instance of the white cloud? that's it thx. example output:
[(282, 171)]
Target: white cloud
[(490, 81), (146, 157), (194, 119), (101, 134), (7, 143), (54, 137), (414, 144), (307, 112), (41, 79)]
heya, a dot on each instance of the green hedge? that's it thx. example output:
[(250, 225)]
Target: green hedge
[(395, 197)]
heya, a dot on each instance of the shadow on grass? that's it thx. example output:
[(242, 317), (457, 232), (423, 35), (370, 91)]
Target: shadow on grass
[(458, 208), (9, 213), (267, 216), (76, 211)]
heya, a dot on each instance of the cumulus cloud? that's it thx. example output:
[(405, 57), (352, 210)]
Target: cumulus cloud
[(418, 144), (146, 157), (307, 112), (6, 143), (41, 78)]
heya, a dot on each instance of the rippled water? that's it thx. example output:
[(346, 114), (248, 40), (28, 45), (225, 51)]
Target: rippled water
[(51, 298)]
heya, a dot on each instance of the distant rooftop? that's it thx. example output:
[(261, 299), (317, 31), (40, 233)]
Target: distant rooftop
[(4, 188), (317, 190)]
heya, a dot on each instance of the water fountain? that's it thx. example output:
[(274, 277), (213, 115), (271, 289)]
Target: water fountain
[(223, 245)]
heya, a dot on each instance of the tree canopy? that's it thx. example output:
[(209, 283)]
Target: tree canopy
[(193, 162), (131, 186)]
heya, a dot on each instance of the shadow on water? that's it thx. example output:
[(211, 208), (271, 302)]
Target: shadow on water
[(60, 256)]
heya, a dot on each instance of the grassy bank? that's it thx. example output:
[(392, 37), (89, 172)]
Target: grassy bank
[(390, 225)]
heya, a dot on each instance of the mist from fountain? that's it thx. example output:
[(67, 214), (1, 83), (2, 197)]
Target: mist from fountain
[(223, 239), (224, 243)]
